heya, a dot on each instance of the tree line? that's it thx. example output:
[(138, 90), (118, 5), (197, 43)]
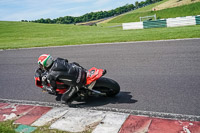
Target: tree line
[(95, 15)]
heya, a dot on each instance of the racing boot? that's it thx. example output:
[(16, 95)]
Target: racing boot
[(68, 96)]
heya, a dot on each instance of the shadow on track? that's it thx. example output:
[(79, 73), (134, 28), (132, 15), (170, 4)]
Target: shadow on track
[(122, 97)]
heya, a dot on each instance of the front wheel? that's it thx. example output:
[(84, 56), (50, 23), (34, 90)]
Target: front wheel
[(108, 86)]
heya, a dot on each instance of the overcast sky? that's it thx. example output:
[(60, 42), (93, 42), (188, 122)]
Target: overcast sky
[(17, 10)]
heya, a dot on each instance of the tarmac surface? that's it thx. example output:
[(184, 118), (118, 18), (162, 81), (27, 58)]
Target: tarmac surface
[(155, 76)]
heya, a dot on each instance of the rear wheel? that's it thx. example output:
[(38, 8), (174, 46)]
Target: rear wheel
[(107, 86)]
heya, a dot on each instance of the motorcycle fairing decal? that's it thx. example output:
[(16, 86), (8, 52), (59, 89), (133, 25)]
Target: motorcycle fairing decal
[(93, 74)]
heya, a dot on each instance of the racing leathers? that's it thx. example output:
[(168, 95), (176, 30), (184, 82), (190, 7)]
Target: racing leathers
[(71, 74)]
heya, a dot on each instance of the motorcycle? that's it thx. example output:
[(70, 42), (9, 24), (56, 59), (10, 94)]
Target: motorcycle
[(96, 85)]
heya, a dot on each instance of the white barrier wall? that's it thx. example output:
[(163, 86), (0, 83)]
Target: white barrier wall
[(135, 25), (181, 21), (170, 22)]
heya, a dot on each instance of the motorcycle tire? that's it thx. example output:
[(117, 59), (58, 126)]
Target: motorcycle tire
[(108, 86)]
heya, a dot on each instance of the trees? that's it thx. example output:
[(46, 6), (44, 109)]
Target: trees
[(87, 17), (136, 4), (96, 15)]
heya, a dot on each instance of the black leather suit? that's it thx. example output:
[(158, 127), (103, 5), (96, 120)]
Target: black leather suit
[(71, 74)]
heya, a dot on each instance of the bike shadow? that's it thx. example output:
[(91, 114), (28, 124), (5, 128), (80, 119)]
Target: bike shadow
[(122, 97)]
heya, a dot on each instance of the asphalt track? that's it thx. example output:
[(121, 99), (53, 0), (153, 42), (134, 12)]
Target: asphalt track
[(157, 76)]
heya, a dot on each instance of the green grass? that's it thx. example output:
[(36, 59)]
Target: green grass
[(181, 11), (24, 35), (143, 9), (9, 127), (149, 7)]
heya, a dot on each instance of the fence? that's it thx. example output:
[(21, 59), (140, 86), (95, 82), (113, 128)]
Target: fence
[(170, 22)]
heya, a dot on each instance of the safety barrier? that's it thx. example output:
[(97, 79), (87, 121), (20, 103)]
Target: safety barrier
[(181, 21), (197, 19), (135, 25), (170, 22), (155, 24)]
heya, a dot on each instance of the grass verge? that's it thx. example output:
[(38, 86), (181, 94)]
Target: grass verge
[(7, 127), (143, 9), (181, 11), (25, 35)]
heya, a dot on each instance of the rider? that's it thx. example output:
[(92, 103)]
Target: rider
[(71, 74)]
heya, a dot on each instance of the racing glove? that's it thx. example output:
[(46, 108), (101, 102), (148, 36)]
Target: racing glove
[(48, 89)]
